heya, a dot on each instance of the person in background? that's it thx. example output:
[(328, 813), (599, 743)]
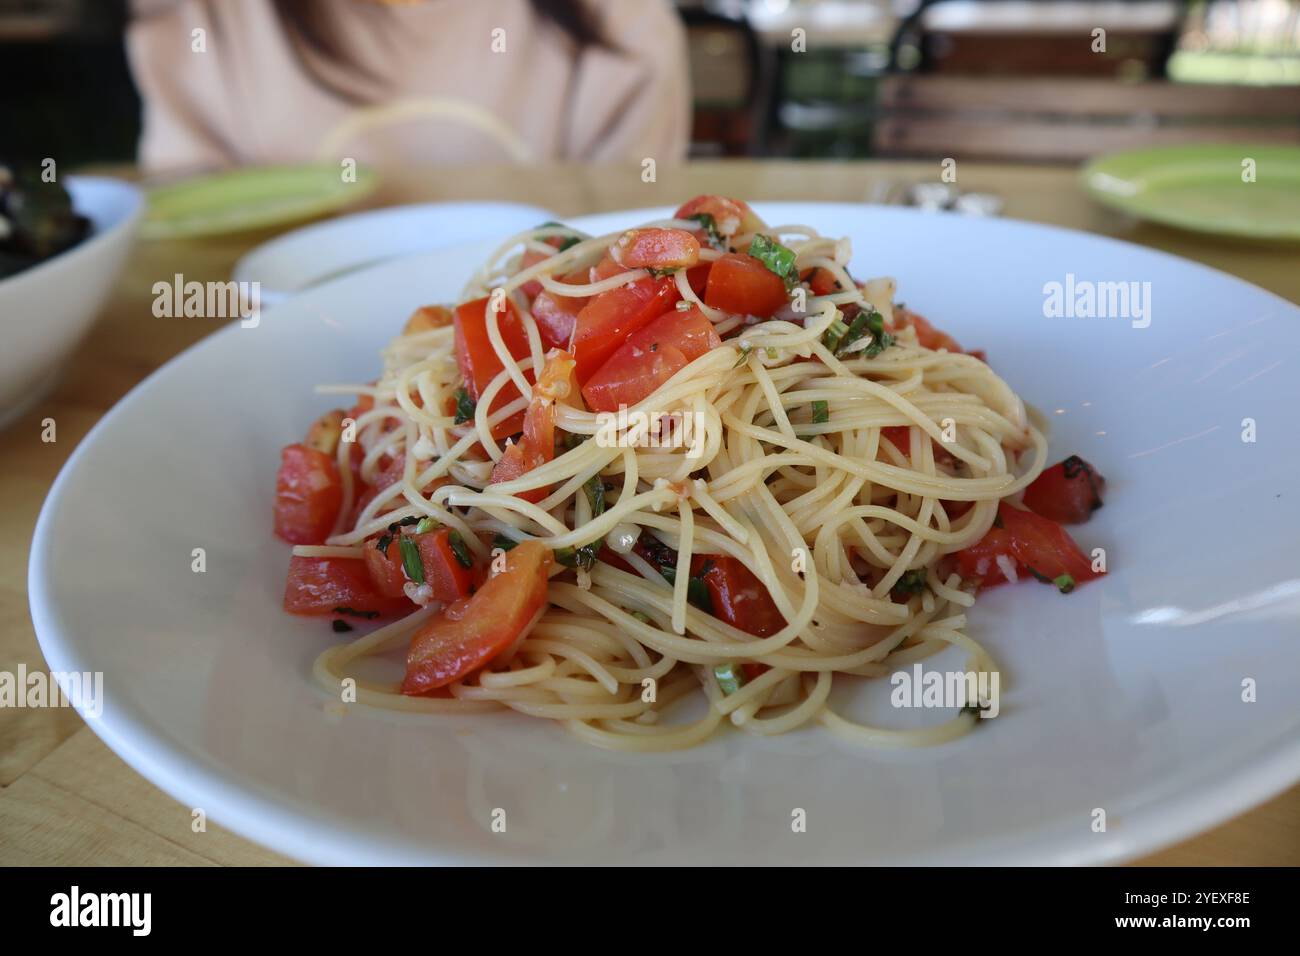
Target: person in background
[(397, 82)]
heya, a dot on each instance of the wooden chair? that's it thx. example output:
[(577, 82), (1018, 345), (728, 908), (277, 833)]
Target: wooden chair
[(725, 64)]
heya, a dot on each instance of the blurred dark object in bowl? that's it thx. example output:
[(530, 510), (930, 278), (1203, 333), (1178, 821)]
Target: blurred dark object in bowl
[(37, 220)]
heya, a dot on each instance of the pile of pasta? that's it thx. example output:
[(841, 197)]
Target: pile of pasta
[(695, 459)]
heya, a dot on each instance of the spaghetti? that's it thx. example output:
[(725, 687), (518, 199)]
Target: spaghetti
[(846, 464)]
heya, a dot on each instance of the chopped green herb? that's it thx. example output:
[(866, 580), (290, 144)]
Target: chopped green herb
[(642, 617), (880, 339), (355, 613), (660, 273), (912, 582), (460, 549), (744, 356), (426, 525), (711, 228), (864, 323), (340, 626), (778, 259), (464, 406), (595, 489), (1064, 582), (697, 592), (833, 335), (730, 677), (411, 559), (582, 557), (504, 543), (664, 559), (857, 328), (772, 353), (821, 413)]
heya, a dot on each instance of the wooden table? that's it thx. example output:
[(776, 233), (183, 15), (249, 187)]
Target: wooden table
[(67, 799)]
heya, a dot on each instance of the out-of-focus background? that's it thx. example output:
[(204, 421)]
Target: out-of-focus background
[(987, 79), (841, 100)]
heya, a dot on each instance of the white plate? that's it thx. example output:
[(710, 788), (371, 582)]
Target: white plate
[(314, 254), (1124, 696)]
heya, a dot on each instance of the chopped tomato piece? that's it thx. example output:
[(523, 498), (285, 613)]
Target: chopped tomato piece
[(900, 436), (532, 257), (556, 315), (536, 446), (426, 318), (730, 216), (927, 336), (446, 576), (470, 632), (820, 281), (443, 571), (656, 249), (319, 585), (606, 268), (698, 278), (1068, 492), (607, 320), (390, 474), (478, 361), (753, 670), (325, 432), (742, 284), (385, 567), (737, 595), (613, 558), (650, 357), (364, 404), (308, 495), (1035, 545)]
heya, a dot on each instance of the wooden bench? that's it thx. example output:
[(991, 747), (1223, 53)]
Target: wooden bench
[(1071, 119)]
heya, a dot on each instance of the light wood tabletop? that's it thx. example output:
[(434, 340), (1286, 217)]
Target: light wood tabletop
[(65, 798)]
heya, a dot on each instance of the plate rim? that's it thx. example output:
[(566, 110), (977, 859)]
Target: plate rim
[(245, 268), (1101, 166), (151, 229)]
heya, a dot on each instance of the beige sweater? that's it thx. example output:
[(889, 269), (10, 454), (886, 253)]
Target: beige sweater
[(414, 84)]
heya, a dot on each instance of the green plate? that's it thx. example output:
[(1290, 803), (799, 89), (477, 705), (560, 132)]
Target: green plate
[(250, 199), (1202, 188)]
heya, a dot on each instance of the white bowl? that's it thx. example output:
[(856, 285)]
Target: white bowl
[(45, 310)]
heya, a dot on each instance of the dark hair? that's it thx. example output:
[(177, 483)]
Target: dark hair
[(305, 19), (573, 17), (308, 24)]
